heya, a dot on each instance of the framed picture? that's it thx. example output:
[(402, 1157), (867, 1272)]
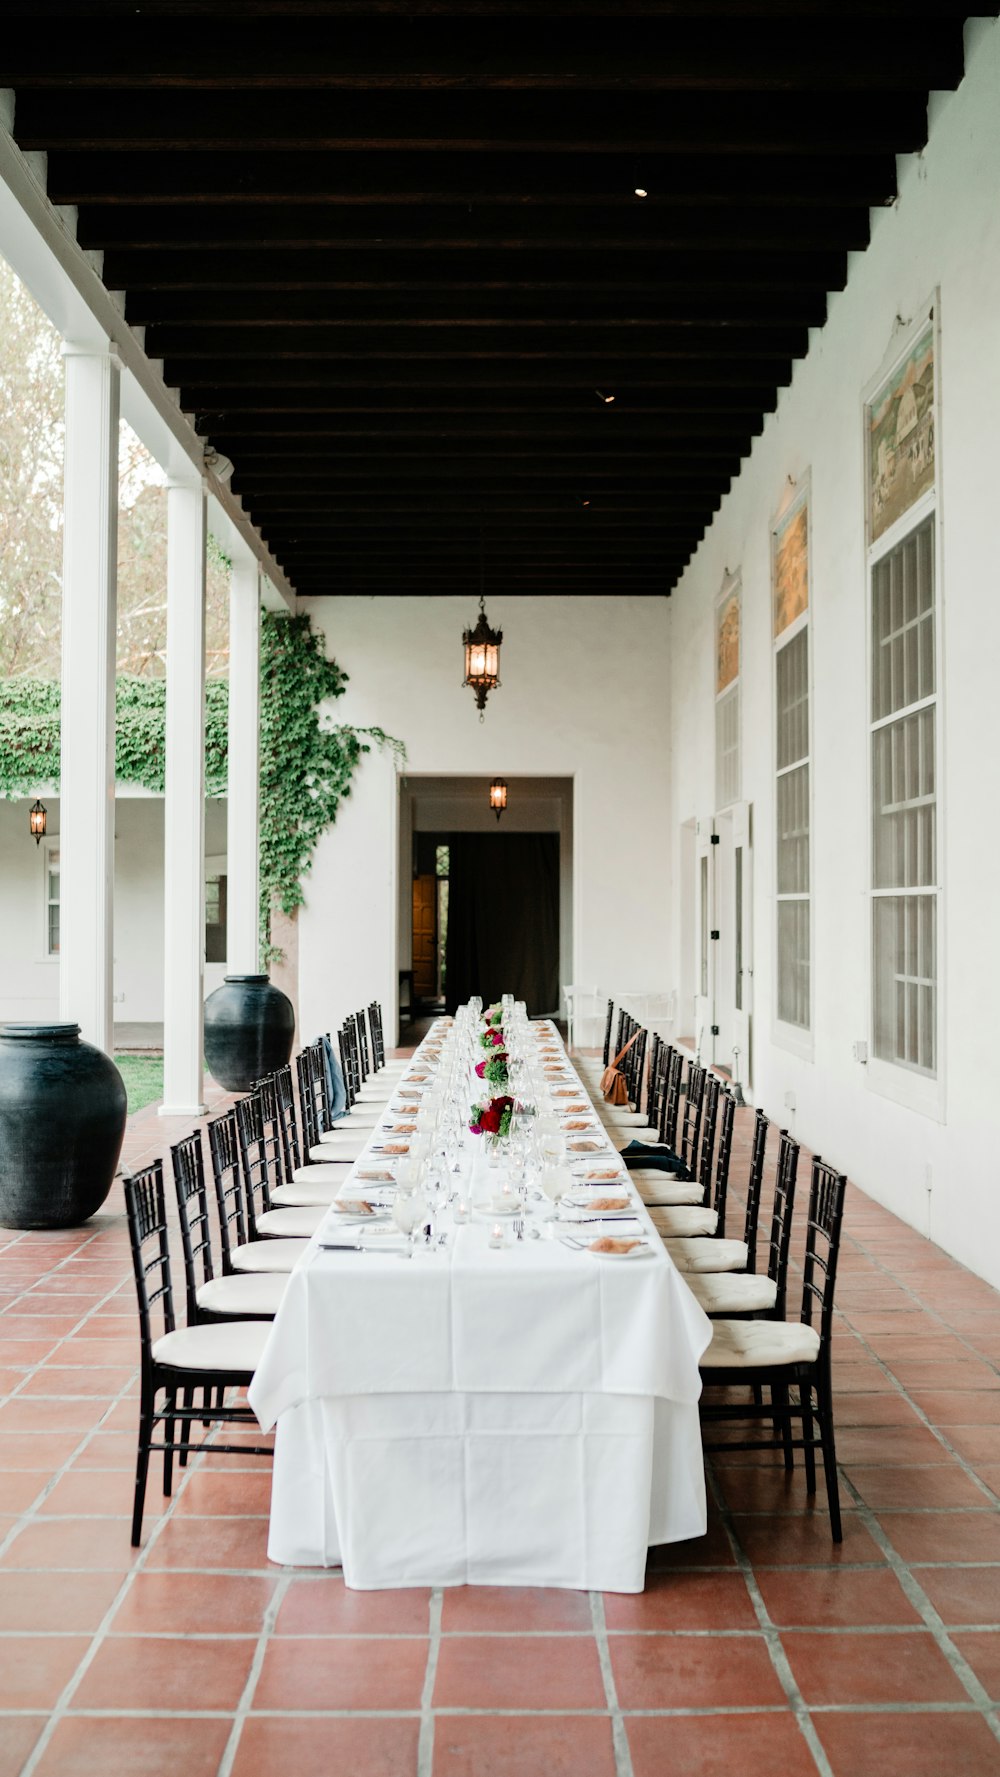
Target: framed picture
[(790, 563), (727, 639), (899, 432)]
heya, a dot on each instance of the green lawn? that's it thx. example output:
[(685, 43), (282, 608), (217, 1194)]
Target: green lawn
[(143, 1076)]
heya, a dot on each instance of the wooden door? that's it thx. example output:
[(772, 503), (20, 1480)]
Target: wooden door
[(424, 937)]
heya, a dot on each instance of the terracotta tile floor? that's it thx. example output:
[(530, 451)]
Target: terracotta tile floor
[(760, 1649)]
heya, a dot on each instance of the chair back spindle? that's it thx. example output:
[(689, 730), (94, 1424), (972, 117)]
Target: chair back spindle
[(227, 1174)]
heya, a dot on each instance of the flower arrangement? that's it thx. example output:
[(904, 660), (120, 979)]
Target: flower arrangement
[(491, 1038), (493, 1014), (493, 1118)]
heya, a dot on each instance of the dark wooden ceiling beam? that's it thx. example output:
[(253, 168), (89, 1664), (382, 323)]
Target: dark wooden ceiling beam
[(675, 55), (343, 10), (304, 435), (260, 375), (420, 272), (732, 306), (438, 344), (471, 123), (246, 176), (406, 228)]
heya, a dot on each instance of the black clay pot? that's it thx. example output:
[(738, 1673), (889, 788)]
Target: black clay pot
[(249, 1028), (62, 1118)]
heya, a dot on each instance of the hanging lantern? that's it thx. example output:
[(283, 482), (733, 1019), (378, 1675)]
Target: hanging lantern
[(37, 817), (482, 658), (498, 796)]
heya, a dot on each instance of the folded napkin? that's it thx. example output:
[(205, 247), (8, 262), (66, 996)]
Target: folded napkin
[(355, 1206), (376, 1178), (599, 1205), (391, 1147), (585, 1147), (606, 1244)]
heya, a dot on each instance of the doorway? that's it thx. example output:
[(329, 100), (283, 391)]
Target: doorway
[(503, 921), (723, 878)]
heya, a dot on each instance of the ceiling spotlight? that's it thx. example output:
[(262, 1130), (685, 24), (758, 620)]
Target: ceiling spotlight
[(640, 191), (601, 396)]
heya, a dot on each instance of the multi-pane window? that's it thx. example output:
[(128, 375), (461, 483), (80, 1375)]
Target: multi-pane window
[(904, 803), (52, 900), (792, 801), (727, 747)]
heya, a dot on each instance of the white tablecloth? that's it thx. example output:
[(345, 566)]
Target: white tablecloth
[(522, 1417)]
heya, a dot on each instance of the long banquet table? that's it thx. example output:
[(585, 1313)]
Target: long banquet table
[(523, 1416)]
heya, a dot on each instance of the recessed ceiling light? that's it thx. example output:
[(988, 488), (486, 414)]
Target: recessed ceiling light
[(640, 191), (601, 396)]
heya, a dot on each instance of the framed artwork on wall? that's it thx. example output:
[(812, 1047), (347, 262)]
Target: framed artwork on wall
[(790, 563), (899, 433)]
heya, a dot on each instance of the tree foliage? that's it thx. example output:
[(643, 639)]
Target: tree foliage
[(31, 516)]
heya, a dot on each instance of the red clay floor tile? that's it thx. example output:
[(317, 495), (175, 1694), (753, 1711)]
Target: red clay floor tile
[(744, 1745), (693, 1671), (145, 1672), (194, 1604), (521, 1746), (835, 1598), (684, 1601), (921, 1745), (875, 1668), (506, 1672), (18, 1737), (311, 1748), (117, 1747), (333, 1674), (513, 1610), (323, 1605)]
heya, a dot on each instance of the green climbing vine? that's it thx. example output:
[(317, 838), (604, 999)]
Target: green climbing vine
[(307, 761)]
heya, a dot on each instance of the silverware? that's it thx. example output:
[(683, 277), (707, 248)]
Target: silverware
[(519, 1229)]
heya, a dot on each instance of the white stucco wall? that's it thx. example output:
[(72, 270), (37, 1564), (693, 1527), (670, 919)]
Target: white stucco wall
[(585, 695), (29, 980), (939, 1172)]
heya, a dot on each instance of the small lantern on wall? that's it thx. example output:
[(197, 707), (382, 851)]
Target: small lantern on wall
[(482, 658), (498, 796), (37, 817)]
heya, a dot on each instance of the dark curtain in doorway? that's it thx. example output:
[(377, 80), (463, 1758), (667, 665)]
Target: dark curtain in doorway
[(503, 919)]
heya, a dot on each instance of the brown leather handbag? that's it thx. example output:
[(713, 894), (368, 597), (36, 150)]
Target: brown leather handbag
[(613, 1087)]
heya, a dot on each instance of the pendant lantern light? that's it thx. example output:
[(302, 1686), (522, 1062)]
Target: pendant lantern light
[(498, 796), (482, 649), (37, 818)]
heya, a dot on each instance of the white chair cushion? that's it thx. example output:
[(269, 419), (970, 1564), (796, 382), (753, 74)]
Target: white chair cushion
[(301, 1222), (664, 1188), (299, 1196), (328, 1172), (755, 1344), (708, 1255), (368, 1117), (684, 1222), (375, 1094), (340, 1154), (254, 1293), (733, 1292), (235, 1345), (268, 1255)]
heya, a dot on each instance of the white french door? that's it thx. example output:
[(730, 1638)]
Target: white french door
[(724, 961)]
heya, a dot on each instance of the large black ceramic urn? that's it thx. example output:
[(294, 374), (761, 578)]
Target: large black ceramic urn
[(249, 1029), (62, 1118)]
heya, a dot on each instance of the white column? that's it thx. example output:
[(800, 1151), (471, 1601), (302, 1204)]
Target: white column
[(89, 620), (243, 786), (184, 805)]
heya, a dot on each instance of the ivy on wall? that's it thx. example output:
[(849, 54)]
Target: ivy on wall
[(307, 761)]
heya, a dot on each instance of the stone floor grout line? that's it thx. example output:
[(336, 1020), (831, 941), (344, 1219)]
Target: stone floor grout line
[(772, 1638), (243, 1707), (425, 1740), (619, 1735)]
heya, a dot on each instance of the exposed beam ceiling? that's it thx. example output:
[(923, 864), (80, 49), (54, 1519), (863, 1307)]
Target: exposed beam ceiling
[(393, 259)]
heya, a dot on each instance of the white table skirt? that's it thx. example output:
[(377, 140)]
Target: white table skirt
[(418, 1442), (564, 1490)]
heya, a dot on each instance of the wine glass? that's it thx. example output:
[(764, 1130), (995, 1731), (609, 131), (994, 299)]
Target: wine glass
[(555, 1182)]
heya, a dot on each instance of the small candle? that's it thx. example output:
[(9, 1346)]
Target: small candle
[(461, 1210), (496, 1238)]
